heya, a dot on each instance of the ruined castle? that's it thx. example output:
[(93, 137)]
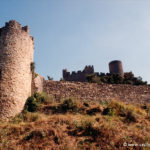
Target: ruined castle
[(115, 67), (78, 76), (16, 56), (17, 82)]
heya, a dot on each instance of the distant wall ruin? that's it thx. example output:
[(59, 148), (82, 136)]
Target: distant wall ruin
[(79, 76), (115, 67)]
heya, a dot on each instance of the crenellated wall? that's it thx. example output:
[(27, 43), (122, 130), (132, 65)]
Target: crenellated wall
[(79, 76)]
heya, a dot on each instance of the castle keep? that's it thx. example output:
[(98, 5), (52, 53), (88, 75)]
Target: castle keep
[(115, 67), (16, 55)]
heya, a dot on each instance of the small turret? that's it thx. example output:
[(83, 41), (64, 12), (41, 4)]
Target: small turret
[(65, 74), (88, 69)]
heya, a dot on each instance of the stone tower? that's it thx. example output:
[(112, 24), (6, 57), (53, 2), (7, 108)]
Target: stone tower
[(115, 67), (16, 55), (89, 69)]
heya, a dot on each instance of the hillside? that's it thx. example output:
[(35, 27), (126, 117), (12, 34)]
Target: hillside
[(71, 124)]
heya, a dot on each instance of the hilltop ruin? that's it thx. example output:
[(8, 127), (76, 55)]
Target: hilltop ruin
[(17, 81)]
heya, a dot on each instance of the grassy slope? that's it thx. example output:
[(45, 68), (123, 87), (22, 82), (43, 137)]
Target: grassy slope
[(72, 124)]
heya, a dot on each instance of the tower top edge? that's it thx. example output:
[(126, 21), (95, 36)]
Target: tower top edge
[(14, 25), (115, 61)]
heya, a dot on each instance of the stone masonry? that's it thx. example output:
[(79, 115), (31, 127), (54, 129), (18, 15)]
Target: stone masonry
[(16, 55), (98, 92), (79, 76), (115, 67), (17, 82)]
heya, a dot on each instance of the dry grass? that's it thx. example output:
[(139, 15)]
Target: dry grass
[(75, 125)]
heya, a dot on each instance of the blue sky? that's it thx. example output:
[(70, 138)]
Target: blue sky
[(74, 33)]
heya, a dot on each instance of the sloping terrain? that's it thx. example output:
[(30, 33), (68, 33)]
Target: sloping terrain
[(69, 124)]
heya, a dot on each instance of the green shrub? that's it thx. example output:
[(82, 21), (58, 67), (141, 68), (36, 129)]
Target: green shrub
[(120, 109), (96, 79), (32, 65), (115, 108), (93, 78), (31, 117), (93, 111), (25, 117), (42, 97), (31, 104), (115, 79), (109, 111), (85, 127), (68, 105), (34, 102), (17, 119)]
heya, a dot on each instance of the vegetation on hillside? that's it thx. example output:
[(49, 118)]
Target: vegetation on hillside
[(32, 67), (129, 78), (71, 124)]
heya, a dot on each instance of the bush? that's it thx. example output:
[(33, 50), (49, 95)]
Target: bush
[(34, 102), (31, 104), (42, 97), (35, 134), (130, 117), (115, 79), (32, 65), (49, 78), (68, 105), (109, 111), (17, 119), (93, 111), (25, 117), (85, 127), (90, 77), (119, 107), (116, 108)]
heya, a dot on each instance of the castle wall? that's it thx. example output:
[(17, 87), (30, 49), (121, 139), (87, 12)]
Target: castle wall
[(76, 76), (16, 55), (95, 92), (79, 76), (38, 84)]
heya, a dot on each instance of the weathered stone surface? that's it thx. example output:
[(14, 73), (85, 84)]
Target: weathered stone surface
[(16, 55), (95, 92), (38, 83)]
